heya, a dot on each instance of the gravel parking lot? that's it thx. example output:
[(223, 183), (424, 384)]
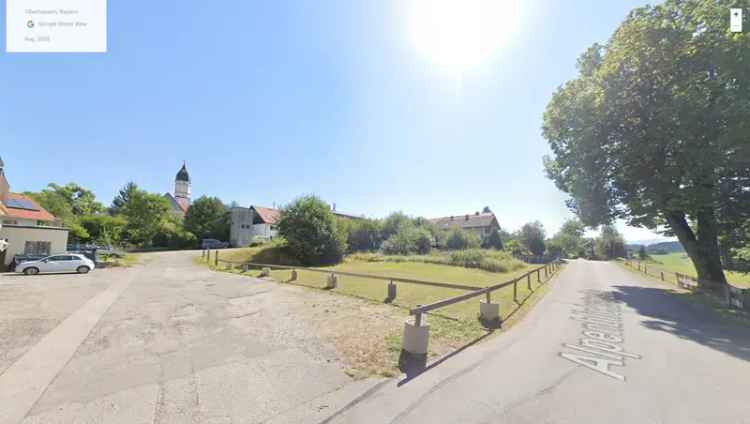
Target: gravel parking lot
[(167, 341)]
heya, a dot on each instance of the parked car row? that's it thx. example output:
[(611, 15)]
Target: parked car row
[(213, 244)]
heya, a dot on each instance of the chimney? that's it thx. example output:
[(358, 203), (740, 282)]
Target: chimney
[(451, 217), (476, 213), (467, 217)]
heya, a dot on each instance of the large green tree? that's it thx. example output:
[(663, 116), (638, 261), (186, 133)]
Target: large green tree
[(146, 214), (610, 244), (207, 217), (122, 197), (532, 237), (656, 128), (570, 238), (70, 203)]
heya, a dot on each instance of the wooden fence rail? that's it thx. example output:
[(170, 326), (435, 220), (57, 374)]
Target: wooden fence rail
[(735, 297), (354, 274), (549, 269)]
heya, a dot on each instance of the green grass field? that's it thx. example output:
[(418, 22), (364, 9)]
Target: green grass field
[(450, 328), (679, 262), (410, 295)]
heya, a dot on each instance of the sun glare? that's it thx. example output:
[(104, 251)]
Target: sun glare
[(461, 34)]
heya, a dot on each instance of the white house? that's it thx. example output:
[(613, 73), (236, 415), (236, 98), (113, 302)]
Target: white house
[(27, 228), (252, 222)]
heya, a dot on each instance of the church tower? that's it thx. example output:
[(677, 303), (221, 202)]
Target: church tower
[(182, 189)]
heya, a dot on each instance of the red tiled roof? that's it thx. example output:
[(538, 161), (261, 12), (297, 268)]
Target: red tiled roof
[(40, 214), (465, 221), (271, 216), (268, 215)]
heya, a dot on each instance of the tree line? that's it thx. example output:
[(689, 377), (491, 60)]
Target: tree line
[(315, 236), (136, 218)]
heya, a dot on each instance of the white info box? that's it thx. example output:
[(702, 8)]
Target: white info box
[(56, 26)]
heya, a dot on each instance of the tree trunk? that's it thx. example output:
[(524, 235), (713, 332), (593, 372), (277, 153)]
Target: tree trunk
[(703, 248)]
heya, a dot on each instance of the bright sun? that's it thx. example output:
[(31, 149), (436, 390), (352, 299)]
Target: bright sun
[(461, 34)]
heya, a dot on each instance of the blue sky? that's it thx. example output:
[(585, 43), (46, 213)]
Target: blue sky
[(269, 100)]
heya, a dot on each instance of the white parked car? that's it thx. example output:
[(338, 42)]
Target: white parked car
[(68, 262)]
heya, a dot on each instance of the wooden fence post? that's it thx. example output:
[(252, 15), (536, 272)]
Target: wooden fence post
[(528, 281), (216, 261), (391, 291), (538, 277), (208, 255), (515, 291), (662, 275)]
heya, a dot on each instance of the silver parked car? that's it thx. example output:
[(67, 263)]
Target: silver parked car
[(67, 262)]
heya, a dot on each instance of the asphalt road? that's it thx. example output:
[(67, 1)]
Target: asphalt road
[(604, 346)]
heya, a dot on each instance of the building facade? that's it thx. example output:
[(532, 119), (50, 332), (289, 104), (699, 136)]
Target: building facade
[(26, 228), (251, 223), (482, 224)]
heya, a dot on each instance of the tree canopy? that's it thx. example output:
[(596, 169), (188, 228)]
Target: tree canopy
[(69, 203), (532, 237), (655, 128), (207, 217)]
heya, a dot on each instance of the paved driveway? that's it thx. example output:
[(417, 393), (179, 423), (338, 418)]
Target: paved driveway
[(163, 342)]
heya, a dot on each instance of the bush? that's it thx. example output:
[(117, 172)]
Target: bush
[(408, 240), (312, 232), (459, 240), (488, 260), (171, 235), (364, 236)]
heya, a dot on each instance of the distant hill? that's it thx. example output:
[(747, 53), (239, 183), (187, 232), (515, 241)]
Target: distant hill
[(666, 246), (657, 248)]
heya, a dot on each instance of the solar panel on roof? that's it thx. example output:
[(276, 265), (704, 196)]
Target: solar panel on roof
[(21, 204)]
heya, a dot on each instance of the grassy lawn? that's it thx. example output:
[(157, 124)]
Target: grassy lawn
[(679, 262)]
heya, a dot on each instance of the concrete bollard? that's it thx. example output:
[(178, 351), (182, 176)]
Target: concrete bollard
[(265, 272), (294, 275), (332, 281), (416, 337), (489, 313)]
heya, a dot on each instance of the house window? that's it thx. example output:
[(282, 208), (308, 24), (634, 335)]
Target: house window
[(10, 222), (273, 228), (37, 248), (41, 223)]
